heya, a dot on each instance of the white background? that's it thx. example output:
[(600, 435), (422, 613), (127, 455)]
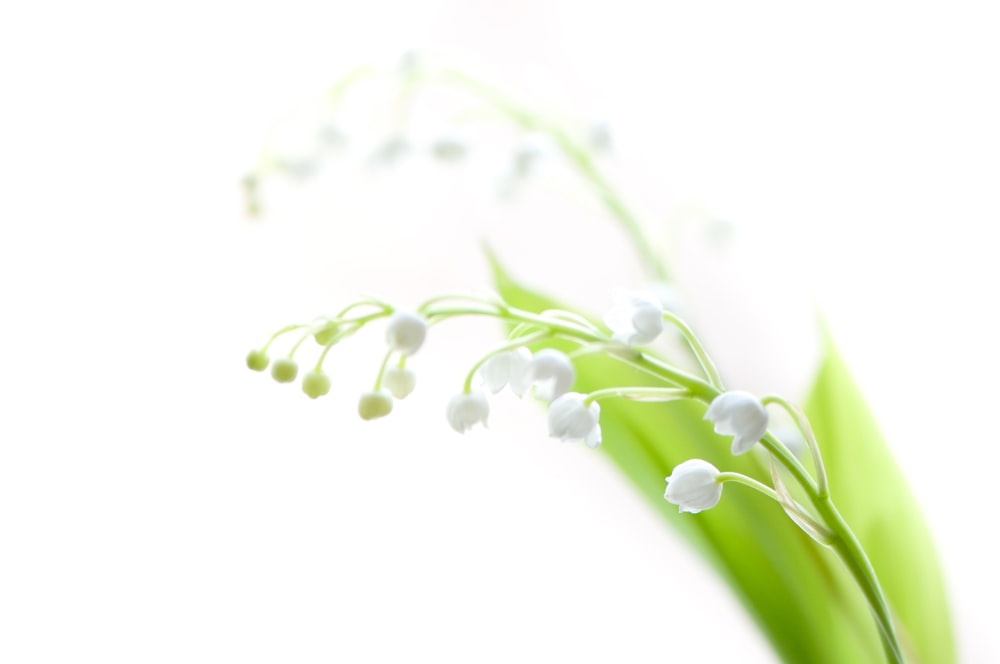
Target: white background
[(160, 503)]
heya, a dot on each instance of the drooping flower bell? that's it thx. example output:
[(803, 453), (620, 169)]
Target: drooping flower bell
[(636, 318), (694, 486), (465, 410), (740, 415), (551, 373), (508, 368), (400, 381), (406, 332), (571, 418)]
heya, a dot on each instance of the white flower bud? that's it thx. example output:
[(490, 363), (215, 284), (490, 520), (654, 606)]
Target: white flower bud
[(406, 332), (466, 410), (741, 415), (400, 381), (551, 372), (374, 405), (694, 486), (570, 418), (636, 318)]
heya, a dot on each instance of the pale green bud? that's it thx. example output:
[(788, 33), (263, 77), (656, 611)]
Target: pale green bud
[(257, 360), (284, 370), (315, 384), (374, 405), (324, 334)]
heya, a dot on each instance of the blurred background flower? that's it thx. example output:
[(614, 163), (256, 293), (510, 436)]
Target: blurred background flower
[(157, 503)]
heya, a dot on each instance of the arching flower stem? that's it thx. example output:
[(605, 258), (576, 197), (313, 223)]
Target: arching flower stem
[(822, 485), (707, 365), (652, 394), (283, 331), (740, 478), (337, 338), (571, 317), (385, 309), (299, 342), (381, 369), (492, 300), (575, 154), (350, 326)]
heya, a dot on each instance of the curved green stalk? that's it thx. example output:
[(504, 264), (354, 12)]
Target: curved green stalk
[(576, 154)]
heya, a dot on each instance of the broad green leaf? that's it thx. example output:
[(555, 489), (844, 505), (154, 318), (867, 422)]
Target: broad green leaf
[(873, 496), (797, 591)]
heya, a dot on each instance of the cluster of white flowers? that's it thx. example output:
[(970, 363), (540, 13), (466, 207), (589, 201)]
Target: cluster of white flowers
[(547, 374), (405, 334)]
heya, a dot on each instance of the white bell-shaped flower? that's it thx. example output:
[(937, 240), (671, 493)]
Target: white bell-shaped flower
[(694, 486), (571, 418), (466, 410), (508, 368), (741, 415), (400, 381), (551, 373), (406, 332), (636, 318)]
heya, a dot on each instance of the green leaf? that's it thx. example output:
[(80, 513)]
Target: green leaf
[(873, 496), (797, 591)]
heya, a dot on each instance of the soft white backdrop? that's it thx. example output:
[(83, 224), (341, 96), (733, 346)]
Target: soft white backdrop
[(160, 503)]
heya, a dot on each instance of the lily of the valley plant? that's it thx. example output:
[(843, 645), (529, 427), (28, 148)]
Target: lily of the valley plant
[(822, 541)]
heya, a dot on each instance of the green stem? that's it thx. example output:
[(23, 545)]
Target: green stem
[(847, 546), (850, 551), (381, 370), (740, 478), (699, 351), (823, 487), (639, 394)]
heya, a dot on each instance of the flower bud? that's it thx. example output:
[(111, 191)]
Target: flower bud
[(466, 410), (315, 384), (325, 332), (400, 381), (374, 405), (694, 486), (406, 332), (741, 415), (257, 360), (571, 418), (284, 370)]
